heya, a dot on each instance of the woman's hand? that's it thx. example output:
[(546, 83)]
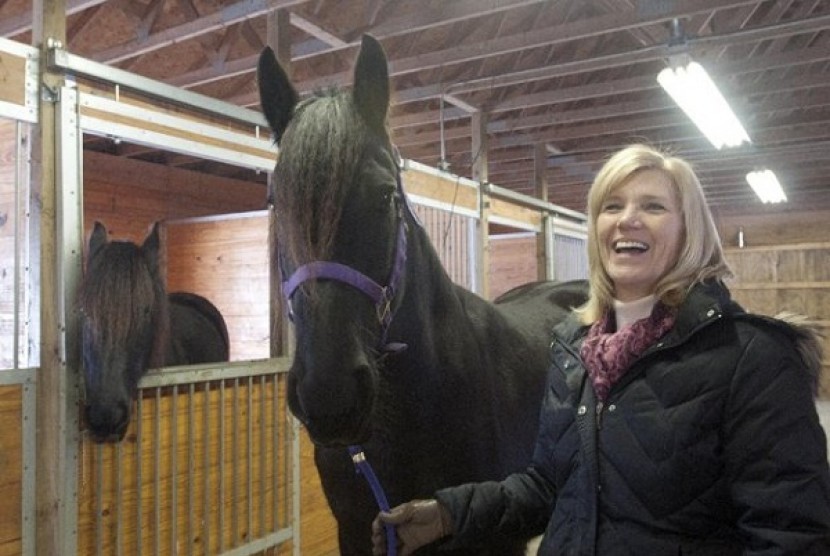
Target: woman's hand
[(417, 523)]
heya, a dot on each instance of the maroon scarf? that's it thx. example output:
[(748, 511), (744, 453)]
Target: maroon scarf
[(608, 354)]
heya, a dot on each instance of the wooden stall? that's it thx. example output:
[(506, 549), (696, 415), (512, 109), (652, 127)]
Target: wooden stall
[(11, 484), (783, 266), (198, 471), (18, 301)]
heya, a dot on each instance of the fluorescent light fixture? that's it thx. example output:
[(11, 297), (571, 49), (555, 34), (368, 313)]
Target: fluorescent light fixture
[(766, 186), (695, 92)]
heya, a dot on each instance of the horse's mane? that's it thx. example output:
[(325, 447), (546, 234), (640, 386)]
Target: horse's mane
[(319, 157), (116, 287)]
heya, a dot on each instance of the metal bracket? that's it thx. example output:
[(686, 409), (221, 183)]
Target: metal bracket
[(49, 94)]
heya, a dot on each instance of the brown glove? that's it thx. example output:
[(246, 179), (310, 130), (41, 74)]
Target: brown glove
[(417, 523)]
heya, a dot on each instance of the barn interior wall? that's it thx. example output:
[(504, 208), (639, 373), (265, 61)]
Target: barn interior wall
[(512, 262), (11, 483), (128, 195), (225, 259), (784, 266)]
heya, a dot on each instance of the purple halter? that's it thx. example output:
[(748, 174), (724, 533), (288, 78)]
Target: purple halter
[(381, 296)]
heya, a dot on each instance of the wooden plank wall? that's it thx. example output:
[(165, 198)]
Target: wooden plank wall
[(784, 266), (128, 195), (226, 260), (11, 462), (512, 262), (8, 215)]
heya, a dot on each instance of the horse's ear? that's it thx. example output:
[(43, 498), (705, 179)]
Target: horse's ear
[(98, 239), (276, 94), (371, 83), (150, 247)]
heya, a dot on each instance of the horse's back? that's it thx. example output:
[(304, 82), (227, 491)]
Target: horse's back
[(198, 331), (545, 302)]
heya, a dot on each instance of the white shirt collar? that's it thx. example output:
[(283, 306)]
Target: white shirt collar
[(629, 312)]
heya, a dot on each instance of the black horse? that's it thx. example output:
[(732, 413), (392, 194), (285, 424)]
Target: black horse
[(460, 401), (130, 324)]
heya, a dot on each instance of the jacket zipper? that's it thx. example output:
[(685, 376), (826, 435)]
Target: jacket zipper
[(599, 409)]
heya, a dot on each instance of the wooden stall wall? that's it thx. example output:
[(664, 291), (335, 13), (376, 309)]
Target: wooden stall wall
[(225, 259), (513, 262), (128, 195), (200, 472), (784, 266), (13, 205), (11, 462), (8, 204)]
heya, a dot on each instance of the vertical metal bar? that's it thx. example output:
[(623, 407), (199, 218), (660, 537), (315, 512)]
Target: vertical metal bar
[(68, 249), (18, 268), (277, 436), (191, 468), (250, 457), (139, 487), (295, 476), (206, 472), (99, 489), (174, 460), (29, 456), (157, 472), (235, 463), (263, 449), (221, 466), (119, 505)]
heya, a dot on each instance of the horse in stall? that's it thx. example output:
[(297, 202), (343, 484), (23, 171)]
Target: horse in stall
[(130, 324), (437, 385)]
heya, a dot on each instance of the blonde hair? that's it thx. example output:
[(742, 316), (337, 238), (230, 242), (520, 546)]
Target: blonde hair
[(701, 254)]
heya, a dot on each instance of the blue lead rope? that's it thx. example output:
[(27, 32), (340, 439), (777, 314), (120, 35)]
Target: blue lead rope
[(364, 468)]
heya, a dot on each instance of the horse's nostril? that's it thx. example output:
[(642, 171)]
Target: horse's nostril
[(108, 420)]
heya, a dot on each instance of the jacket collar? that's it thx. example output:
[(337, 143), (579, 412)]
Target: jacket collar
[(705, 302)]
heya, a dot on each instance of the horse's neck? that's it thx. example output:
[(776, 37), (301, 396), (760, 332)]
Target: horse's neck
[(431, 298)]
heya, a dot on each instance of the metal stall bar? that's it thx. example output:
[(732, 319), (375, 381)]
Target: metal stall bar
[(69, 223), (60, 59)]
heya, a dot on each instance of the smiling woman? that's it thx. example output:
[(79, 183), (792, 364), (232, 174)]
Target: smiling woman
[(689, 420)]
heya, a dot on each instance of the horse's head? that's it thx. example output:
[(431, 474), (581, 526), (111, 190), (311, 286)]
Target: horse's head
[(122, 302), (339, 215)]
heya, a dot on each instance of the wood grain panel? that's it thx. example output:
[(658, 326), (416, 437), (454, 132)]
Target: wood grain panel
[(12, 78), (226, 260), (512, 262), (787, 277), (11, 462)]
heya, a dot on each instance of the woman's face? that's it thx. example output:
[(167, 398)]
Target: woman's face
[(640, 230)]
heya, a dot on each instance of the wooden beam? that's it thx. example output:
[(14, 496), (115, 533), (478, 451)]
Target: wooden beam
[(51, 471)]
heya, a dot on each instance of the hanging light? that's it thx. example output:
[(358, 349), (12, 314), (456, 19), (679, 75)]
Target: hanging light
[(695, 92), (766, 186)]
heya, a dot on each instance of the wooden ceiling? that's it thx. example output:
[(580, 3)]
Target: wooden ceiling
[(574, 79)]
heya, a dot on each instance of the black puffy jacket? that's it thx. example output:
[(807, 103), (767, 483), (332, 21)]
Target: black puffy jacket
[(710, 444)]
